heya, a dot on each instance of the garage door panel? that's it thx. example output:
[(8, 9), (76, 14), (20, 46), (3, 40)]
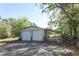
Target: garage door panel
[(37, 36), (26, 35)]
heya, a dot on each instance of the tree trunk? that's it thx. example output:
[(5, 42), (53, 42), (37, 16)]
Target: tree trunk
[(75, 33), (71, 32), (75, 37)]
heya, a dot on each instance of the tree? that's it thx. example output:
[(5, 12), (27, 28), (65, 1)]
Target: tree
[(4, 29), (33, 24), (11, 27), (66, 17), (18, 24)]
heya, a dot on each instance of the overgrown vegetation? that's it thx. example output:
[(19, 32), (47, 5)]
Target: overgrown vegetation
[(64, 18), (11, 27)]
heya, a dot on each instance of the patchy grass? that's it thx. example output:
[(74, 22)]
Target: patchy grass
[(4, 41)]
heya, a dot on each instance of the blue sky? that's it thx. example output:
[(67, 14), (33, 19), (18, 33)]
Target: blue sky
[(29, 10)]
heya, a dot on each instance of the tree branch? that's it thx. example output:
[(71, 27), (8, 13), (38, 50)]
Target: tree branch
[(61, 6)]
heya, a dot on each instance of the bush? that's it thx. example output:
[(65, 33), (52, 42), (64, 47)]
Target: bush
[(2, 36), (66, 38)]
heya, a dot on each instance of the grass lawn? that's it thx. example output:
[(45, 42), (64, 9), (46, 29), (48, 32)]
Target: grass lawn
[(4, 41)]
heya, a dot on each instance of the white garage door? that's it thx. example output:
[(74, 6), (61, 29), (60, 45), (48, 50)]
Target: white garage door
[(37, 36), (26, 36)]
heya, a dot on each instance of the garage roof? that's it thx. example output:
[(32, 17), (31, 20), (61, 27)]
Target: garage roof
[(30, 27)]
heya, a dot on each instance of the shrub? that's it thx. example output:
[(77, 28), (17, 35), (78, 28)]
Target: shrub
[(66, 38)]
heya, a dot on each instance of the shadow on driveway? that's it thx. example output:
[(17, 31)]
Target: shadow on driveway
[(21, 48)]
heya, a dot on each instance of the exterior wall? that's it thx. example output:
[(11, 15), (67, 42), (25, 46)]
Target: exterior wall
[(31, 29), (20, 35), (45, 35)]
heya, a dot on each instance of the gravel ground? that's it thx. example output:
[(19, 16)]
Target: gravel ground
[(34, 49)]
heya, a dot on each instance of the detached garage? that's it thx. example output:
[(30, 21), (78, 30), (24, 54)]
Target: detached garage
[(33, 33)]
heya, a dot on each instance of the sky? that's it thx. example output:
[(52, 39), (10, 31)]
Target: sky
[(29, 10)]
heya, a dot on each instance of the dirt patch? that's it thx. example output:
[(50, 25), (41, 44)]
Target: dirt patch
[(34, 49)]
